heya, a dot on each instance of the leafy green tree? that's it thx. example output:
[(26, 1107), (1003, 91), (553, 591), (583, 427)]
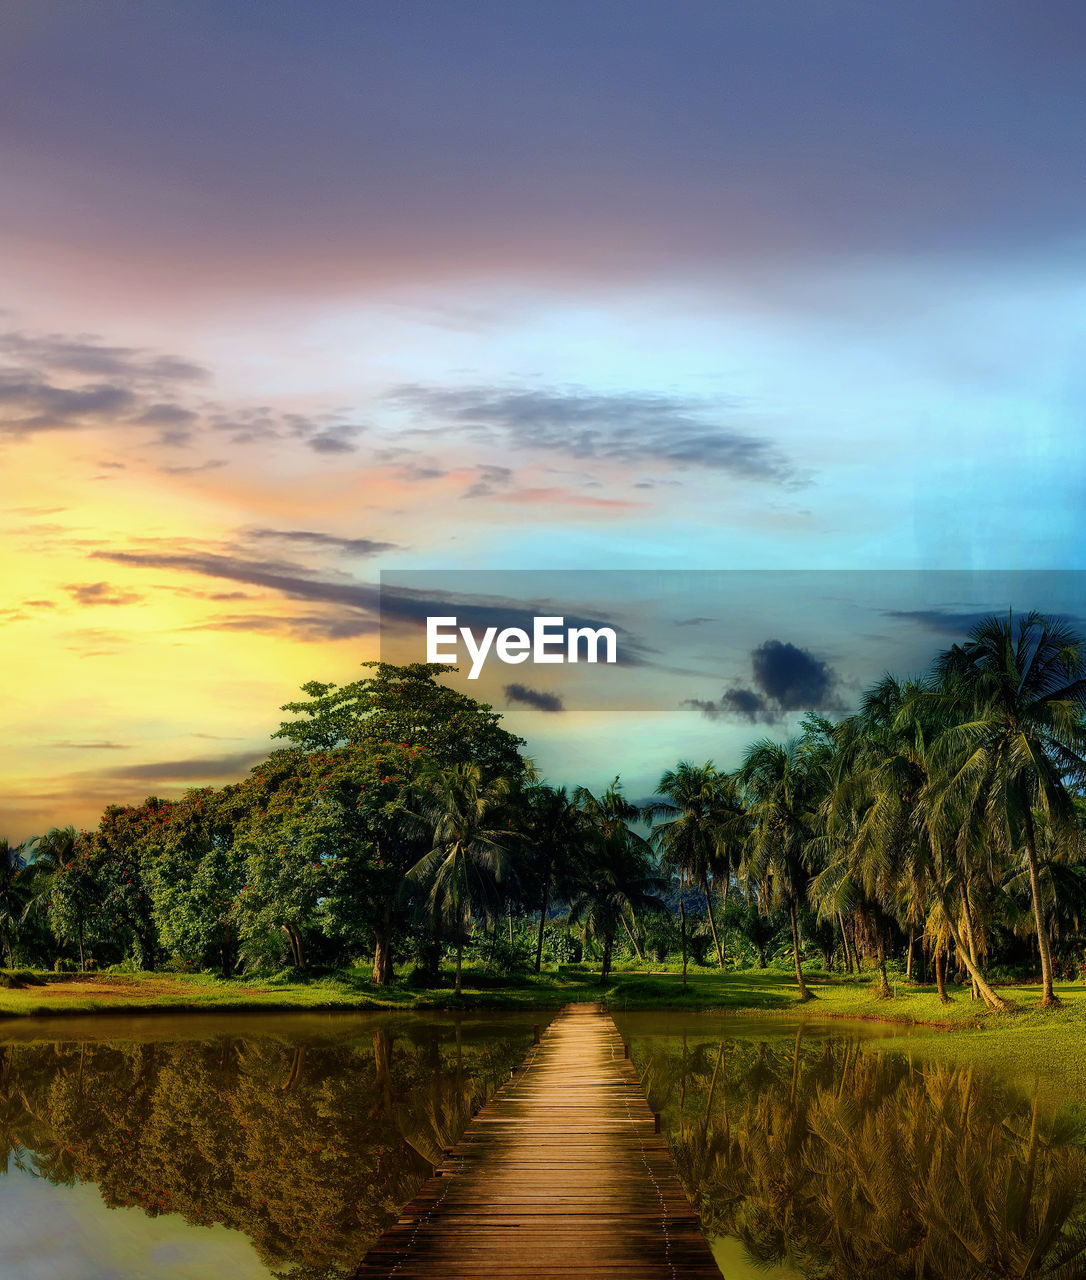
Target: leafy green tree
[(404, 705), (120, 854), (196, 878)]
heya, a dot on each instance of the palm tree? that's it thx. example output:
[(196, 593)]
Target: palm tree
[(14, 895), (470, 855), (701, 811), (782, 785), (888, 758), (1019, 690), (51, 852), (556, 832), (617, 879)]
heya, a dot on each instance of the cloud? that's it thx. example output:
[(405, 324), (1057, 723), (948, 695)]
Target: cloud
[(290, 580), (785, 679), (90, 357), (101, 593), (331, 541), (332, 440), (631, 428), (55, 383), (90, 746), (225, 767), (489, 480), (306, 626), (536, 698)]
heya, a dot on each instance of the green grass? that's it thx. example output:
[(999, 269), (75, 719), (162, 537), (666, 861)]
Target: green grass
[(1030, 1044)]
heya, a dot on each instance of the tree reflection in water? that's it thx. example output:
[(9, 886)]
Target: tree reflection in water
[(839, 1161), (309, 1146)]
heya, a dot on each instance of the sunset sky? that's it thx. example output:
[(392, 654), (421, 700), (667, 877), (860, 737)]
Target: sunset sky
[(298, 293)]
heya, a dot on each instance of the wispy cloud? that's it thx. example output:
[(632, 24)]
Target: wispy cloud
[(628, 428), (93, 593), (323, 541)]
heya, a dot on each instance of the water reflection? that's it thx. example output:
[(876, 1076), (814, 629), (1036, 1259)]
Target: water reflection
[(828, 1158), (308, 1142)]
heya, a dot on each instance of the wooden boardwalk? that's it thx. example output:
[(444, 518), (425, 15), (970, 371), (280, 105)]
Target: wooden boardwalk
[(562, 1174)]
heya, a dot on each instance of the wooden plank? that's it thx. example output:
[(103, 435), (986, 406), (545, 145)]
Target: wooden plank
[(561, 1175)]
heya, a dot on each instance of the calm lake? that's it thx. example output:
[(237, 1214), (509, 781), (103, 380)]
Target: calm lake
[(256, 1146)]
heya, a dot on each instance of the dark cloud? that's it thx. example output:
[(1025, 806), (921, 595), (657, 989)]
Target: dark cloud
[(91, 746), (785, 679), (791, 677), (329, 541), (612, 428), (536, 698), (101, 593), (207, 769)]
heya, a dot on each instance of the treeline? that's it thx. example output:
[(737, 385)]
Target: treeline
[(940, 826)]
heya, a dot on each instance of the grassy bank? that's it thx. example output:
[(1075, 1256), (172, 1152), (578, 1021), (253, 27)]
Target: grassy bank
[(1027, 1043), (762, 991)]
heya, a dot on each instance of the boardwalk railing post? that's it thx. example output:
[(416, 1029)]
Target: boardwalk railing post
[(535, 1034), (656, 1122), (625, 1050)]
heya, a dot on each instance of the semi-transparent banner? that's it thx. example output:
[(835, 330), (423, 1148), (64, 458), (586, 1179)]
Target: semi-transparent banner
[(740, 645)]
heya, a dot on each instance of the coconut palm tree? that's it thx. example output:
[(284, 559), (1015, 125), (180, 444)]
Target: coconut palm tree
[(697, 817), (471, 849), (555, 831), (15, 896), (782, 784), (1018, 692), (617, 878)]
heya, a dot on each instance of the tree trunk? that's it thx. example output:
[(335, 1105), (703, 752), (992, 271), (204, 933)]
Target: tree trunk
[(712, 922), (633, 940), (844, 943), (82, 961), (1049, 999), (884, 982), (682, 929), (989, 997), (940, 976), (909, 958), (970, 941), (459, 947), (608, 944), (542, 918), (382, 951), (804, 994)]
